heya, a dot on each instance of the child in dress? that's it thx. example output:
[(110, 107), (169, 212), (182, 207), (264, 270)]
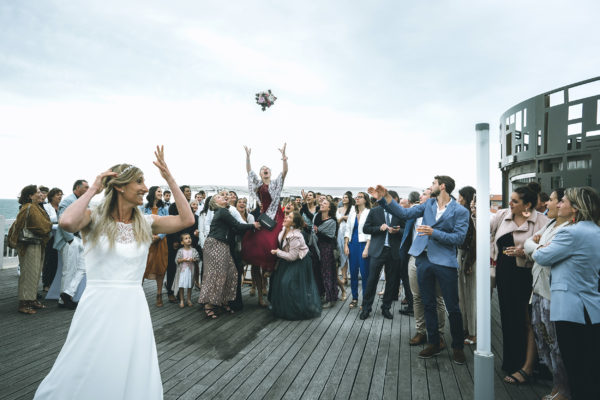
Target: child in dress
[(187, 259)]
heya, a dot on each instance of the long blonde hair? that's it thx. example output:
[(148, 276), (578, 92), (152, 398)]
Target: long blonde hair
[(103, 222)]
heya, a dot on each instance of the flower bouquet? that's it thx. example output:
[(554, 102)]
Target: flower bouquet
[(265, 99)]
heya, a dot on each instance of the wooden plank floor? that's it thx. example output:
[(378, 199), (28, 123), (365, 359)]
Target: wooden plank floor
[(251, 355)]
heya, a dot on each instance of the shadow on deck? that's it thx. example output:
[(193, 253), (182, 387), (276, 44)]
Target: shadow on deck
[(251, 355)]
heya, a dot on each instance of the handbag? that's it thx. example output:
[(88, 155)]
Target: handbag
[(266, 222), (26, 236)]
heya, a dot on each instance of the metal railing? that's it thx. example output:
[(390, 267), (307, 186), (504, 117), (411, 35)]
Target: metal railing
[(9, 255)]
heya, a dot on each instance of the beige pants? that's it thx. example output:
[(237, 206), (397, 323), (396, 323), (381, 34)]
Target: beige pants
[(418, 305), (31, 269), (467, 297)]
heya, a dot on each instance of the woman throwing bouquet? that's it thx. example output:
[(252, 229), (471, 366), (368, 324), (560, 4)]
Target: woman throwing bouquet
[(257, 246)]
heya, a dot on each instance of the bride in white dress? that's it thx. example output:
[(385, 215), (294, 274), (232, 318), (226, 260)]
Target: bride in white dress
[(110, 352)]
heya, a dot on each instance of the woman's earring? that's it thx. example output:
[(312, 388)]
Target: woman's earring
[(527, 213)]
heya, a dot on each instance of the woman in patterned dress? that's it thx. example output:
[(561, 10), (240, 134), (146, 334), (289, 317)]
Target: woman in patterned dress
[(322, 243), (220, 277)]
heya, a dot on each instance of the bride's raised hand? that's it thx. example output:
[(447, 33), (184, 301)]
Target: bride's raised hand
[(248, 151), (98, 185), (161, 163)]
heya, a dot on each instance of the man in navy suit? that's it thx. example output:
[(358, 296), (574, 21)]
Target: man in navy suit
[(444, 226), (385, 230)]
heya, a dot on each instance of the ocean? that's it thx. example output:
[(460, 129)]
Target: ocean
[(10, 207)]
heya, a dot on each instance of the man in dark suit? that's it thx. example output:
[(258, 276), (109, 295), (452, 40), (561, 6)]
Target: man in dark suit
[(173, 243), (386, 231)]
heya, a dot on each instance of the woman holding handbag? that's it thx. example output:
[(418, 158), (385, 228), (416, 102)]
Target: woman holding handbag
[(257, 246), (29, 234)]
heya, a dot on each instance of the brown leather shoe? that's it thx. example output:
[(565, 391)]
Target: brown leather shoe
[(442, 343), (418, 339), (159, 302), (431, 350), (172, 299), (459, 356)]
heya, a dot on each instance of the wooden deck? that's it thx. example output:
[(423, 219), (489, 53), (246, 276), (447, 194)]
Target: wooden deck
[(251, 355)]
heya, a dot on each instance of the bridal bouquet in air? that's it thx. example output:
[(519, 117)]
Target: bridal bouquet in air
[(265, 99)]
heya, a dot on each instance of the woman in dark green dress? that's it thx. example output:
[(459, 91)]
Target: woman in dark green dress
[(293, 292)]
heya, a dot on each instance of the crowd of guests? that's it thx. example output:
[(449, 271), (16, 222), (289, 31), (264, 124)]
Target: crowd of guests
[(302, 251)]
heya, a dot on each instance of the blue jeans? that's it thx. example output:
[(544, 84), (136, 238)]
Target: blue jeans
[(447, 277), (356, 262)]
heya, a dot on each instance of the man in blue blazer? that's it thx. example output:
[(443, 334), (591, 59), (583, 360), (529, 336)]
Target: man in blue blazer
[(385, 230), (444, 226)]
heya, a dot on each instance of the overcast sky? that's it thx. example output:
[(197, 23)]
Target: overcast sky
[(368, 91)]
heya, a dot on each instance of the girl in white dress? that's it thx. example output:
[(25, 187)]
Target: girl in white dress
[(187, 260), (110, 352)]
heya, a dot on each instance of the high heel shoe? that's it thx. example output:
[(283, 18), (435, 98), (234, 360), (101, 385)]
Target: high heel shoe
[(344, 295)]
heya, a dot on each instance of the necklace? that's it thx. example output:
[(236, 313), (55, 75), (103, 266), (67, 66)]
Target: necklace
[(122, 220)]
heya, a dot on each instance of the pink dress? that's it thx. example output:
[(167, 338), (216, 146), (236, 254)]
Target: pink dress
[(257, 246)]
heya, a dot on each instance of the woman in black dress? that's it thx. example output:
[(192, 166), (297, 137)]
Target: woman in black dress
[(293, 293)]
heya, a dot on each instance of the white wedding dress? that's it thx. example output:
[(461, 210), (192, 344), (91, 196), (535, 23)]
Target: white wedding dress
[(110, 352)]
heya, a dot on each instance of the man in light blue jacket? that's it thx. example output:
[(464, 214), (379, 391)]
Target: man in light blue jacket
[(70, 248), (444, 227)]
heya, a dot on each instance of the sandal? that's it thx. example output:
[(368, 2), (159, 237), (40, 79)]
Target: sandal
[(229, 310), (25, 308), (470, 340), (189, 303), (159, 301), (210, 313), (353, 304), (262, 302), (513, 380), (37, 305)]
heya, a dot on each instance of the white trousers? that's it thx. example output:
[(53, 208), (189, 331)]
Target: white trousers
[(73, 267)]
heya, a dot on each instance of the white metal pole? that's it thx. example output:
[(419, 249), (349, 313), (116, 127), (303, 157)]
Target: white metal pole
[(484, 358)]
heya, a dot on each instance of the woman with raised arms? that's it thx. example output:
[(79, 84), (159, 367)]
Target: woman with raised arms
[(110, 351)]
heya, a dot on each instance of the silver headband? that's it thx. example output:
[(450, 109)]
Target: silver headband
[(126, 169)]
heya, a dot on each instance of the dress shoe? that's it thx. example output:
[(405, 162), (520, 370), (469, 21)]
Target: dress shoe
[(172, 299), (386, 313), (419, 338), (364, 315), (431, 350), (442, 343), (459, 356), (68, 301), (407, 311)]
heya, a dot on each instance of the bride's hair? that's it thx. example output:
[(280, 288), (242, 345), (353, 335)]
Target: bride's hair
[(102, 221)]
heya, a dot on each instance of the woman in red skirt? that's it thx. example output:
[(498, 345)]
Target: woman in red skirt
[(257, 246)]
